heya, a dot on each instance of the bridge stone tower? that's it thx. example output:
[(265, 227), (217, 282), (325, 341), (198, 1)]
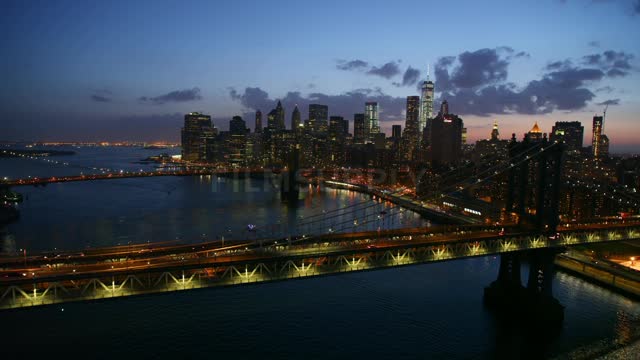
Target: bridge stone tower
[(534, 182), (533, 193), (289, 189)]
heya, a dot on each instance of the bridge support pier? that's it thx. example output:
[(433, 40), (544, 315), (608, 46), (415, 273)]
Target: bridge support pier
[(533, 304), (289, 189)]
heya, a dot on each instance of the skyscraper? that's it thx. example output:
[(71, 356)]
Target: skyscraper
[(596, 140), (194, 134), (237, 126), (604, 146), (426, 106), (272, 121), (275, 119), (444, 108), (236, 142), (411, 124), (371, 120), (280, 116), (495, 134), (295, 119), (535, 134), (336, 126), (571, 132), (411, 136), (396, 132), (318, 116), (345, 127), (258, 124), (358, 129), (492, 150), (446, 139)]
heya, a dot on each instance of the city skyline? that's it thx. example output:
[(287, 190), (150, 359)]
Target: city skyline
[(310, 166), (113, 72)]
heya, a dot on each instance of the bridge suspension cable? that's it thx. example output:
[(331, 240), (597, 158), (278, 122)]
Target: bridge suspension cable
[(466, 184), (445, 178)]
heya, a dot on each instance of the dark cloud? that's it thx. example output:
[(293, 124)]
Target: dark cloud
[(505, 49), (410, 77), (571, 78), (636, 7), (474, 69), (509, 53), (561, 90), (606, 89), (351, 65), (479, 68), (614, 63), (386, 71), (174, 96), (594, 44), (100, 98), (557, 65), (616, 73), (253, 98), (593, 59), (441, 72), (476, 84), (610, 102), (345, 104), (446, 61)]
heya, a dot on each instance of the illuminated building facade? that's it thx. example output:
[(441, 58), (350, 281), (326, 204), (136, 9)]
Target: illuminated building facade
[(599, 141), (412, 133), (358, 129), (535, 134), (318, 116), (372, 127), (571, 132), (295, 119), (446, 140), (426, 109), (197, 128)]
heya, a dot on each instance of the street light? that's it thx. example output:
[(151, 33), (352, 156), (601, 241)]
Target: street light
[(633, 258)]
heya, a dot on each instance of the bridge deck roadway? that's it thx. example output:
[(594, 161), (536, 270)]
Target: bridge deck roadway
[(228, 265), (143, 251)]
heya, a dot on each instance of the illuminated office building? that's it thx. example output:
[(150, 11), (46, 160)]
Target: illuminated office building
[(371, 125), (197, 127)]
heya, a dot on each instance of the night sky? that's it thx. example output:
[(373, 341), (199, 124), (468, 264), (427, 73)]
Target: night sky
[(129, 70)]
